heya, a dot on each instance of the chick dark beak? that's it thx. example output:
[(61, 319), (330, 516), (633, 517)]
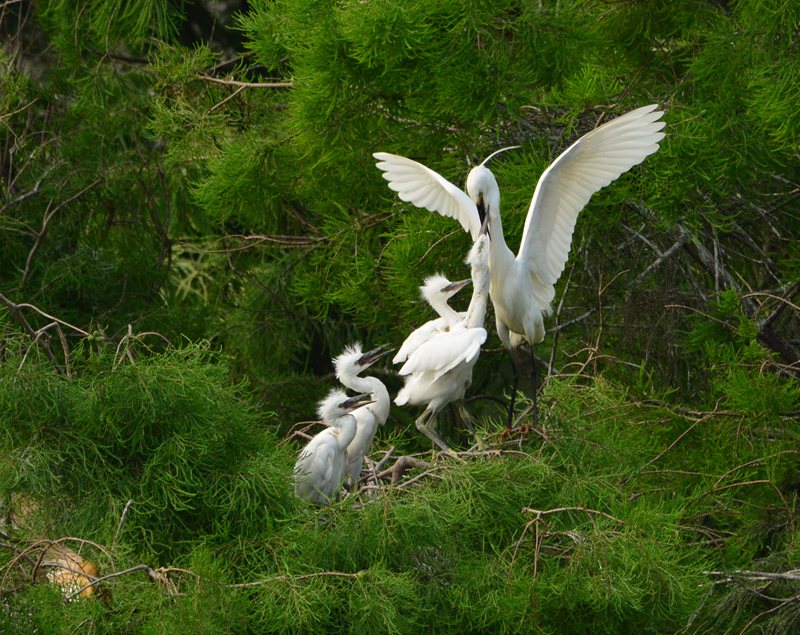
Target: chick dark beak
[(356, 401), (456, 286), (370, 357)]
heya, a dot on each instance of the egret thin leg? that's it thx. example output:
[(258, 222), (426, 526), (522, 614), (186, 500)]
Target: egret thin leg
[(535, 382), (465, 416), (514, 385), (425, 423)]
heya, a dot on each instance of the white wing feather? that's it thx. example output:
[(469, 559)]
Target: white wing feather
[(589, 164), (418, 337), (444, 352), (314, 469), (421, 186)]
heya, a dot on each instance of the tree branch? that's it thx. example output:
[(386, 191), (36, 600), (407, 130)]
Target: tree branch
[(233, 82)]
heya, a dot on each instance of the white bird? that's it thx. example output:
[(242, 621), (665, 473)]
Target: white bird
[(348, 366), (440, 370), (522, 286), (319, 470), (436, 290)]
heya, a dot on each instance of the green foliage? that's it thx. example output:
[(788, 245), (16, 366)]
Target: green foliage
[(180, 178), (167, 433)]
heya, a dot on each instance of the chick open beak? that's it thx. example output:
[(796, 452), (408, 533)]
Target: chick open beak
[(356, 401), (454, 287), (370, 357)]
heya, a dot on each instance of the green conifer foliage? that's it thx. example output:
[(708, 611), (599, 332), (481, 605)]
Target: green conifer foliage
[(192, 226)]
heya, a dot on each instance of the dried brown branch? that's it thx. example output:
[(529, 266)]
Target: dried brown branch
[(400, 466)]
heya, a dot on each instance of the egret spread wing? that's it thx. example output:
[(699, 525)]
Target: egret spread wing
[(445, 351), (421, 186), (589, 164), (471, 341), (418, 337)]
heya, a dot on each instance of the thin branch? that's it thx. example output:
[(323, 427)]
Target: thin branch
[(297, 578), (15, 307), (226, 100), (664, 256), (544, 512), (233, 82), (15, 311), (580, 318), (753, 576), (34, 191), (46, 223), (122, 519)]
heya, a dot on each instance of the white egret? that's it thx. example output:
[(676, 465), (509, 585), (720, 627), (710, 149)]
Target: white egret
[(436, 290), (348, 366), (522, 286), (440, 370), (319, 470)]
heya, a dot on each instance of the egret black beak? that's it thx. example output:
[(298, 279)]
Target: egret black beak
[(356, 401), (485, 227), (481, 210), (454, 287), (370, 357)]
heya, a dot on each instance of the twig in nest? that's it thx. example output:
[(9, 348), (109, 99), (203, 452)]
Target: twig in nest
[(400, 466), (417, 478), (302, 433)]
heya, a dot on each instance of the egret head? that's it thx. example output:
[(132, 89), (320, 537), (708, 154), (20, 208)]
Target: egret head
[(482, 189), (438, 286), (353, 360), (482, 186), (337, 404)]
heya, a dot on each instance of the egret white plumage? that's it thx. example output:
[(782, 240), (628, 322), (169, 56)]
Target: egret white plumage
[(348, 366), (440, 370), (436, 290), (522, 286), (319, 470)]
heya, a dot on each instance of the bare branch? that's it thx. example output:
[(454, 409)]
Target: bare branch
[(233, 82), (45, 224), (544, 512)]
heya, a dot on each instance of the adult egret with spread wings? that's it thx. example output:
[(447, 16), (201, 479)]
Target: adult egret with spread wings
[(522, 286), (319, 470), (439, 371), (349, 366)]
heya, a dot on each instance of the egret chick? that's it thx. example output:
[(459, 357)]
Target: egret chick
[(348, 366), (319, 470), (522, 286), (440, 370), (436, 290)]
